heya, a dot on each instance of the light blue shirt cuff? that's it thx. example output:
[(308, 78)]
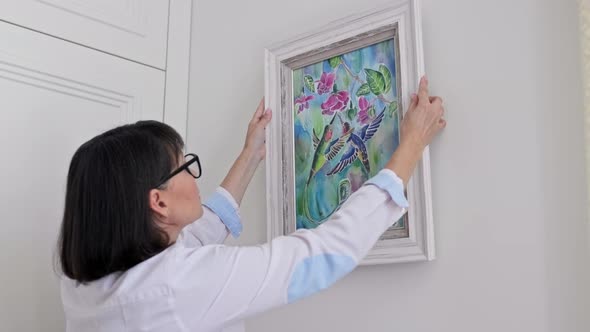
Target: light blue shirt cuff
[(387, 180), (228, 196), (227, 211)]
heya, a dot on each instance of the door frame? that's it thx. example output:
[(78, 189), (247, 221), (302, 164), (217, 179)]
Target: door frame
[(176, 92)]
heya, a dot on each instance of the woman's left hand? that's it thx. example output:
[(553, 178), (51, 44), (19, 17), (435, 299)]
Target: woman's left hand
[(243, 169), (256, 137)]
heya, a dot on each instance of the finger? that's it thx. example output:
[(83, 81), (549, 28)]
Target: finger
[(423, 91), (259, 110), (266, 117)]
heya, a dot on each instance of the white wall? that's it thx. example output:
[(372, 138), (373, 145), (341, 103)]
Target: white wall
[(508, 173)]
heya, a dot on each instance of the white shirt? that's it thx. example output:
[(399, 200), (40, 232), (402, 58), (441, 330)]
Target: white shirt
[(198, 284)]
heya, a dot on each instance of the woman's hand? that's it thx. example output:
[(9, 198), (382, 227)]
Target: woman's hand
[(255, 138), (424, 117), (421, 123)]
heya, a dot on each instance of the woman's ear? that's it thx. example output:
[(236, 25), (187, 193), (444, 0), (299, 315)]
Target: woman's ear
[(158, 203)]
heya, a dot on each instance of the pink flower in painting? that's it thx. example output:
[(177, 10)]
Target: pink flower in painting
[(336, 102), (364, 107), (326, 83), (302, 102)]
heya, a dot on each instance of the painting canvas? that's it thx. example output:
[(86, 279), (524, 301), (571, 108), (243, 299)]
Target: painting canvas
[(338, 95), (346, 127)]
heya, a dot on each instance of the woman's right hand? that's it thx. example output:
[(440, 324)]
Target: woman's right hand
[(423, 120), (421, 123)]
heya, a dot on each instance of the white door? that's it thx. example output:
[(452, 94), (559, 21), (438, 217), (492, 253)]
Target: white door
[(133, 29), (54, 95)]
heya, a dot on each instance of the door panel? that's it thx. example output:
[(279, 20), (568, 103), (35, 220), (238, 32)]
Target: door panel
[(133, 29), (55, 95)]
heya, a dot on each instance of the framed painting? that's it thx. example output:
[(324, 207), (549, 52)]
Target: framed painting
[(338, 96)]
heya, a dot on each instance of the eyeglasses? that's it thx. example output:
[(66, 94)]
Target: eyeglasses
[(192, 166)]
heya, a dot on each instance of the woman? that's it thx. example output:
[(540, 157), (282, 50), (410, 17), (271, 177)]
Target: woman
[(135, 259)]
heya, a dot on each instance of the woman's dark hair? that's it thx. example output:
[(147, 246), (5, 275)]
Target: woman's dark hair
[(107, 223)]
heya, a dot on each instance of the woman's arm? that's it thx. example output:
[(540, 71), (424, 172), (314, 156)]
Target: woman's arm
[(422, 121), (220, 285), (221, 210), (233, 283), (254, 151)]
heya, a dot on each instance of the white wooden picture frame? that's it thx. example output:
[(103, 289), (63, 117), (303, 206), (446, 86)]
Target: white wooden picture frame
[(400, 22)]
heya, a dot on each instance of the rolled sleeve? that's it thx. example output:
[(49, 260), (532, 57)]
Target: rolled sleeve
[(226, 208), (231, 200), (387, 180)]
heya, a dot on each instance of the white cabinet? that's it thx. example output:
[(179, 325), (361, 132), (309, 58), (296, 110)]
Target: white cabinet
[(133, 29), (51, 102), (56, 94)]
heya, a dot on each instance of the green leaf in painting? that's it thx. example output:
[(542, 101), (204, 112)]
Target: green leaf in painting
[(351, 113), (392, 108), (363, 90), (371, 112), (376, 81), (317, 123), (387, 76), (308, 81), (335, 61)]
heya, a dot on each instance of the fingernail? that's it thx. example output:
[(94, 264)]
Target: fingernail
[(425, 79)]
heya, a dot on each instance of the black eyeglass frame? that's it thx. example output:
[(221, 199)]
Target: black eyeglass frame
[(185, 167)]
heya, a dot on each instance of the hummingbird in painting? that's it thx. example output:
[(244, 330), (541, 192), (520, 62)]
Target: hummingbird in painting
[(357, 147), (327, 148)]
